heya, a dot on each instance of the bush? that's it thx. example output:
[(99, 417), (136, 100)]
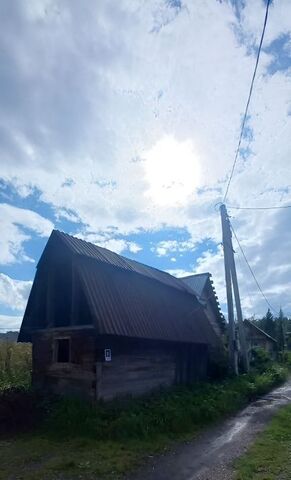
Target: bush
[(260, 359), (285, 358)]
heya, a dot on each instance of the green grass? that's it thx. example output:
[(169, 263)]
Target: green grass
[(178, 411), (269, 458), (78, 440), (15, 364), (33, 457)]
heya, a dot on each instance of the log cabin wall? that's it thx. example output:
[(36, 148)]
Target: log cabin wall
[(141, 366), (137, 366), (74, 376)]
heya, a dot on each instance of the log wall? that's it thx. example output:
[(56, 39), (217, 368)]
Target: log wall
[(135, 373), (76, 377), (136, 367)]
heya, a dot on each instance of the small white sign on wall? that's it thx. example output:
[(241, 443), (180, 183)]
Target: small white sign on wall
[(107, 354)]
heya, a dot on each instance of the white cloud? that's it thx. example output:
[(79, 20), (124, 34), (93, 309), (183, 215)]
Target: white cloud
[(15, 225), (14, 293), (166, 247), (180, 272), (9, 322), (117, 245), (267, 250), (89, 134), (134, 247), (120, 245)]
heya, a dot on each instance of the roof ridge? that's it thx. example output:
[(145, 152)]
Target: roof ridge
[(122, 261), (197, 275)]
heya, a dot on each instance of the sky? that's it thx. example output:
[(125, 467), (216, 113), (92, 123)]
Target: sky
[(119, 123)]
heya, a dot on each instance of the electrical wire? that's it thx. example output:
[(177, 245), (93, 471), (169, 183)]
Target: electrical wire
[(260, 208), (248, 101), (242, 270), (252, 272)]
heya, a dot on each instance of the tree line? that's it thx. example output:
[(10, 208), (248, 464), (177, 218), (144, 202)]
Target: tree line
[(278, 327)]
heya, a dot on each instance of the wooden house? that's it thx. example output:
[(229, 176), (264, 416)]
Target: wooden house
[(102, 325), (256, 337)]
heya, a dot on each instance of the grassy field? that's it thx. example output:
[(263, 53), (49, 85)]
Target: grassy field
[(15, 364), (270, 456), (74, 440)]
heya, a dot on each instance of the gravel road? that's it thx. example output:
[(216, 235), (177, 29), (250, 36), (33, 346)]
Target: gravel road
[(211, 455)]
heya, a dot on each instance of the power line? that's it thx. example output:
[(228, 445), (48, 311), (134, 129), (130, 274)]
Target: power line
[(260, 208), (252, 272), (248, 102)]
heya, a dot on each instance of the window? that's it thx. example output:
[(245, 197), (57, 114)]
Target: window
[(62, 350)]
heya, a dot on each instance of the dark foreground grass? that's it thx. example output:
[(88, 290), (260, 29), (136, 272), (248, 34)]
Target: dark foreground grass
[(77, 440), (270, 456)]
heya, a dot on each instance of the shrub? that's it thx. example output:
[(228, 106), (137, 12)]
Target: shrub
[(260, 359)]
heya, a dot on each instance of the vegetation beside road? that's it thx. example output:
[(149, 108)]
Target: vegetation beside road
[(269, 458), (76, 440)]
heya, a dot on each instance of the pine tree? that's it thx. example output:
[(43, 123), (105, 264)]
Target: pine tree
[(280, 330), (269, 324)]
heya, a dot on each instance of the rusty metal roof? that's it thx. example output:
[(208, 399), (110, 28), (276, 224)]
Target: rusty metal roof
[(81, 247), (124, 297), (128, 304)]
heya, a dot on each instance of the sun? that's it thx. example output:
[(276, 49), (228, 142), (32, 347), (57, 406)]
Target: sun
[(172, 171)]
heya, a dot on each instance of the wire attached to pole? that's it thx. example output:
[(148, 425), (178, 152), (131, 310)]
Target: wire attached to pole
[(248, 102), (260, 208), (252, 272)]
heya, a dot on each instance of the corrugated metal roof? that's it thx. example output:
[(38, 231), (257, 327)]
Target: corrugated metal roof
[(125, 298), (81, 247), (203, 287), (197, 282), (142, 309)]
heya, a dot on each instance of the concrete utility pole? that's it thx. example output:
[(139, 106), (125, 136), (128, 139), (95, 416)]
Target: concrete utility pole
[(231, 282)]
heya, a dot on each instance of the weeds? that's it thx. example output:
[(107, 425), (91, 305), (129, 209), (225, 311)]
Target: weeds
[(173, 413), (15, 365), (75, 439)]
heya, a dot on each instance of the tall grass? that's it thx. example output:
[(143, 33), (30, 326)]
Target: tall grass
[(170, 414), (15, 364)]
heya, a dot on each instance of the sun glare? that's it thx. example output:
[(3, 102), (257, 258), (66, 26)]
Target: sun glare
[(172, 171)]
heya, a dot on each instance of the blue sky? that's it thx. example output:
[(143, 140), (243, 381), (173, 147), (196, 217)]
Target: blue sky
[(119, 124)]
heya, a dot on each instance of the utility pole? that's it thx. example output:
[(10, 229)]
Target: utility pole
[(231, 283), (241, 329), (231, 326)]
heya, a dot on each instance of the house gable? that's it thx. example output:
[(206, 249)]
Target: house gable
[(79, 284)]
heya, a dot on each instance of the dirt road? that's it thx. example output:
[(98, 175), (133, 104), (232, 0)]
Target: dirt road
[(211, 455)]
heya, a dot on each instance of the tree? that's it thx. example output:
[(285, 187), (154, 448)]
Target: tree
[(280, 330), (269, 324)]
